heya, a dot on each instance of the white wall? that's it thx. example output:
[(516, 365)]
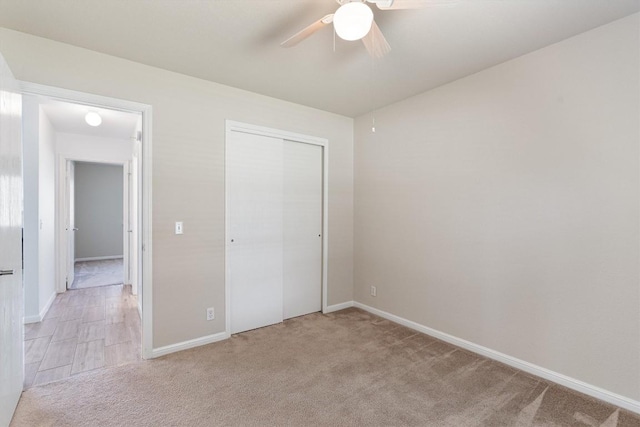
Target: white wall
[(39, 179), (188, 171), (93, 149), (98, 210), (30, 170), (503, 208), (46, 209)]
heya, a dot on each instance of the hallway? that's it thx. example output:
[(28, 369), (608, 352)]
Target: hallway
[(85, 329)]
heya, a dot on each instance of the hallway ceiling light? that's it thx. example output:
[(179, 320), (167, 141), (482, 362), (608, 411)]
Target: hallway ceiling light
[(352, 21), (93, 119)]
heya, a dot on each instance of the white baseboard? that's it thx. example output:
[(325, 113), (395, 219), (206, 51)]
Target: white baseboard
[(47, 306), (572, 383), (32, 319), (38, 317), (337, 307), (168, 349), (161, 351), (99, 258)]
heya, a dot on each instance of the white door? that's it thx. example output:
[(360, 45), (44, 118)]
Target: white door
[(11, 298), (130, 240), (255, 238), (126, 222), (133, 234), (302, 229), (71, 223)]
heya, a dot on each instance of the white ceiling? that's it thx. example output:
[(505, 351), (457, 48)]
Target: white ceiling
[(69, 118), (236, 42)]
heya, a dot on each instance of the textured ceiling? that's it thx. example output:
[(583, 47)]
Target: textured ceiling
[(236, 42)]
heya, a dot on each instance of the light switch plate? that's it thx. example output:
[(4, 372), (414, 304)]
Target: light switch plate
[(178, 227)]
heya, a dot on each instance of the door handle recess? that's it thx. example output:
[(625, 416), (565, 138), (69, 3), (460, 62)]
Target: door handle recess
[(6, 272)]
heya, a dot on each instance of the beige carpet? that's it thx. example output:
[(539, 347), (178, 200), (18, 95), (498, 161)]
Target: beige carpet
[(343, 369)]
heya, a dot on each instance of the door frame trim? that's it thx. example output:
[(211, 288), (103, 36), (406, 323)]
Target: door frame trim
[(62, 213), (234, 126), (145, 228)]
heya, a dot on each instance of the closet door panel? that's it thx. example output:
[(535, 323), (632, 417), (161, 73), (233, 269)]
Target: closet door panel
[(255, 224), (302, 229)]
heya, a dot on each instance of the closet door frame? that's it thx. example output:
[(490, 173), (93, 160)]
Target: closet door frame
[(234, 126)]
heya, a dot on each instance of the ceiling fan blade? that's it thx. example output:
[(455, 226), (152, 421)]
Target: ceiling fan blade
[(411, 4), (376, 44), (308, 31)]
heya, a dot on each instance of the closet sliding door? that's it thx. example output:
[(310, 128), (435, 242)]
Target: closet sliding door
[(274, 229), (302, 229), (255, 224)]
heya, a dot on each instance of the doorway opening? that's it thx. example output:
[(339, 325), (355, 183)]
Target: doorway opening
[(86, 225), (96, 212)]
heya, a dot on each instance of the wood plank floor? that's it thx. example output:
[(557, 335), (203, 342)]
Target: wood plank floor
[(85, 329)]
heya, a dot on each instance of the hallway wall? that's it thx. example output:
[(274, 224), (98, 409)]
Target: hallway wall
[(39, 210), (98, 210)]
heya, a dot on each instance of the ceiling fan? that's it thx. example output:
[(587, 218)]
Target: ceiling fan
[(354, 21)]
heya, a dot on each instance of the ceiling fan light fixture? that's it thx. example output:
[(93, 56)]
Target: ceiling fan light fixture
[(352, 21), (93, 119)]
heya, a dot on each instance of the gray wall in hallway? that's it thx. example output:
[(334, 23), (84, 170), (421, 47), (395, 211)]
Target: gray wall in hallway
[(98, 210)]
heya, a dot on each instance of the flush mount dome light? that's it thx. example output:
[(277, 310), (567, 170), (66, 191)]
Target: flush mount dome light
[(93, 119), (352, 21)]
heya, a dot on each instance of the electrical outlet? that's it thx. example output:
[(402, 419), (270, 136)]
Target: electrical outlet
[(210, 313), (179, 227), (374, 291)]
